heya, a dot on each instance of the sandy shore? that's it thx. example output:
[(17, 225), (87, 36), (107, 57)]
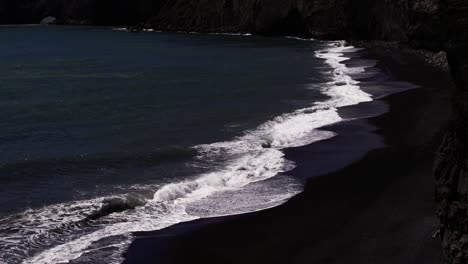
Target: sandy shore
[(379, 209)]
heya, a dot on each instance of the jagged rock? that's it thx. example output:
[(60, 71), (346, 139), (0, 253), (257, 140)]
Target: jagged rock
[(48, 20)]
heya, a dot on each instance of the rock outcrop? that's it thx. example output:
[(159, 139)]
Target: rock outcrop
[(48, 20), (437, 25)]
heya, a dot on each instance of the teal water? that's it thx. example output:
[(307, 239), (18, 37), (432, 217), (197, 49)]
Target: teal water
[(82, 108), (106, 132)]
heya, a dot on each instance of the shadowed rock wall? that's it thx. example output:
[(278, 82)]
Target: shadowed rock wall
[(451, 160)]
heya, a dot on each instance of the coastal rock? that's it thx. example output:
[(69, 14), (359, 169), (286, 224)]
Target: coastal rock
[(451, 166), (48, 20)]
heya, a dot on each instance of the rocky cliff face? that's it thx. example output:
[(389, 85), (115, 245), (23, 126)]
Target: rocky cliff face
[(362, 19), (452, 157), (451, 167), (88, 12), (430, 24), (403, 20)]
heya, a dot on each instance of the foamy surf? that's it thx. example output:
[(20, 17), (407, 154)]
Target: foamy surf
[(299, 38), (247, 168), (191, 32)]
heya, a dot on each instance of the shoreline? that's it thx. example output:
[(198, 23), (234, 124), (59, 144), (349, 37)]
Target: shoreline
[(311, 220)]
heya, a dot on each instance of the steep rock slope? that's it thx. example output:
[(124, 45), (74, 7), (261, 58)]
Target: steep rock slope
[(452, 157)]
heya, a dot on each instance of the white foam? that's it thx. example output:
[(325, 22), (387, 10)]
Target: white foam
[(144, 29), (190, 32), (248, 169), (299, 38), (36, 227), (149, 217), (231, 34), (250, 160), (300, 127), (289, 130), (343, 90), (168, 206)]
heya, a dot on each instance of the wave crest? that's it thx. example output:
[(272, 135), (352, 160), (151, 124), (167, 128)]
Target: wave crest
[(116, 205)]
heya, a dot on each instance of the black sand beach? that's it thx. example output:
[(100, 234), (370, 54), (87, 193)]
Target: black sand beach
[(379, 209)]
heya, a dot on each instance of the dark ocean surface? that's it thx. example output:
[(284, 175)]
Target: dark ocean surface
[(106, 132)]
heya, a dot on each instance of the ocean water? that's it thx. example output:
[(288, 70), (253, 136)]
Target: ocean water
[(106, 132)]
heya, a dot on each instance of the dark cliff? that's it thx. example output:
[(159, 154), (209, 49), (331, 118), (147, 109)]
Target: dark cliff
[(437, 25), (417, 21), (451, 159), (87, 12)]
